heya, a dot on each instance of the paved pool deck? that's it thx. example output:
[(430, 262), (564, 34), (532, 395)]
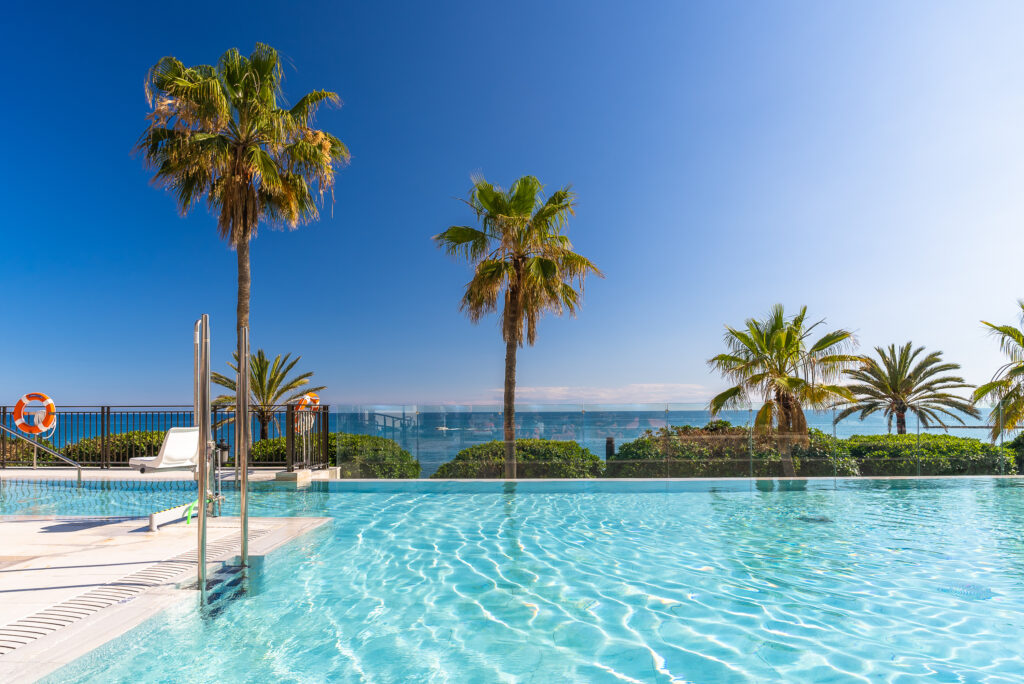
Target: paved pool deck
[(131, 475), (69, 584)]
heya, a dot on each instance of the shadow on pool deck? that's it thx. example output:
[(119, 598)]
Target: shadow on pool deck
[(79, 525)]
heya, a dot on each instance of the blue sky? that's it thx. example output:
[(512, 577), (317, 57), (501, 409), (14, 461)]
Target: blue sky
[(865, 159)]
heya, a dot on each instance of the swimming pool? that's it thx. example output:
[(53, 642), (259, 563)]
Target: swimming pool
[(830, 580)]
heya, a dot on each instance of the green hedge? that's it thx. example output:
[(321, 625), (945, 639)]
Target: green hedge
[(535, 458), (724, 451), (365, 456), (720, 449), (121, 446), (938, 455)]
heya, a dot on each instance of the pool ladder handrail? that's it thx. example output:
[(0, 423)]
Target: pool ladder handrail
[(45, 449)]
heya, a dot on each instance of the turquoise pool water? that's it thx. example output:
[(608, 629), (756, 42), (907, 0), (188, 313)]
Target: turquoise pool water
[(900, 580)]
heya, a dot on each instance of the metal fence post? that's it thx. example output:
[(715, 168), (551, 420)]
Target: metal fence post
[(1002, 454), (104, 433), (918, 450), (325, 435), (832, 447), (289, 440), (3, 437), (750, 439)]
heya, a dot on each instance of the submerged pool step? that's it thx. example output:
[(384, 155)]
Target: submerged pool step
[(230, 583)]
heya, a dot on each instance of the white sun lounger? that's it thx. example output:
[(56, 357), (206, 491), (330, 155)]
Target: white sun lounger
[(180, 451)]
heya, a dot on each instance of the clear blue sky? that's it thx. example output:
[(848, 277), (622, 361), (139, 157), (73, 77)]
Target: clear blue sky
[(863, 158)]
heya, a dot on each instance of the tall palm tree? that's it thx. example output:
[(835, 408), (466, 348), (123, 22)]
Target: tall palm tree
[(1007, 385), (775, 361), (269, 386), (217, 133), (897, 385), (523, 263)]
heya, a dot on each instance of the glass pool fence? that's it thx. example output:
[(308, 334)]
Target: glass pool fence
[(553, 440)]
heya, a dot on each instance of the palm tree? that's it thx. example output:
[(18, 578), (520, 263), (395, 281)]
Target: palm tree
[(523, 261), (774, 360), (898, 385), (1007, 385), (269, 386), (217, 133)]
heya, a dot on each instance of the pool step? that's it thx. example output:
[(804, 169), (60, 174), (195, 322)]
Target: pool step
[(230, 583)]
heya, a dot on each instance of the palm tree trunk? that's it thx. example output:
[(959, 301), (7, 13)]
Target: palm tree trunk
[(511, 346), (787, 428), (244, 285), (901, 422), (264, 427)]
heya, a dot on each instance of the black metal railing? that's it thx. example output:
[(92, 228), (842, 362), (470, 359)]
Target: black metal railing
[(108, 436)]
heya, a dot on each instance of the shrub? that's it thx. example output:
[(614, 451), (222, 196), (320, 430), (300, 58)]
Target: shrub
[(938, 454), (720, 449), (535, 458), (824, 456), (372, 457), (19, 451), (366, 456), (268, 451), (1017, 446), (121, 446)]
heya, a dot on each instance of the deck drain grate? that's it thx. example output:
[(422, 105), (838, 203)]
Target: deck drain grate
[(49, 620)]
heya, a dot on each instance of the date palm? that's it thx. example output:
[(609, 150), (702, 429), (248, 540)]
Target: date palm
[(523, 264), (899, 382), (218, 134), (270, 386), (1006, 389), (774, 360)]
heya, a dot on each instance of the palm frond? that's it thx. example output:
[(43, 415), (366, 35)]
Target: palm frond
[(523, 264)]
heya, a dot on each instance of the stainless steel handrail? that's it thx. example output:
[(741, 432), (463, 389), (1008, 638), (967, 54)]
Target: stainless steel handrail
[(45, 449), (202, 347)]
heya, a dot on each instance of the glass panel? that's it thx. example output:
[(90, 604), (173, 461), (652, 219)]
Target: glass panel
[(574, 440)]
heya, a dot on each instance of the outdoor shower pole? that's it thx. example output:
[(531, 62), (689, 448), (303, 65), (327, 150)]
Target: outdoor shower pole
[(195, 373), (203, 422), (242, 438)]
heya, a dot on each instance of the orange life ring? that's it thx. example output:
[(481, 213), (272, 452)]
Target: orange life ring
[(44, 424), (307, 402)]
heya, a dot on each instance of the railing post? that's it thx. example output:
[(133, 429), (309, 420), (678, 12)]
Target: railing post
[(289, 440), (917, 451), (3, 437), (750, 440), (104, 432), (325, 435), (1002, 455)]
